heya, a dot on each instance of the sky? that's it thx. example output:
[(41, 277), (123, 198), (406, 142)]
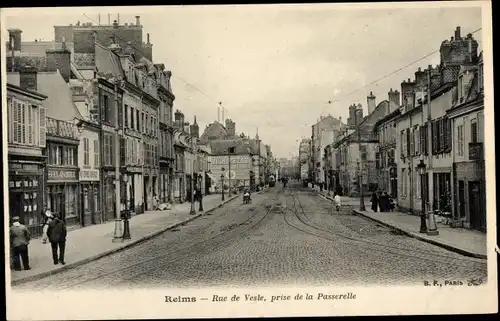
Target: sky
[(275, 67)]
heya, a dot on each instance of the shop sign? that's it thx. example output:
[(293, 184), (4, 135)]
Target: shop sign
[(61, 174), (24, 167), (89, 175)]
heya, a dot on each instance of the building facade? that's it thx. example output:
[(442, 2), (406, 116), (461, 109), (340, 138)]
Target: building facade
[(26, 144), (467, 123)]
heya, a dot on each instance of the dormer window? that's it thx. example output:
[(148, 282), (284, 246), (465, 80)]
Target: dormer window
[(460, 88), (481, 77)]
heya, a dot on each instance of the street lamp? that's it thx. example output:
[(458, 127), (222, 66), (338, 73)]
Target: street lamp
[(126, 214), (421, 167), (222, 182)]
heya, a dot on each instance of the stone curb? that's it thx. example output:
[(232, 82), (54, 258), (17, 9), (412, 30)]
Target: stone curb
[(417, 235), (424, 239), (73, 265)]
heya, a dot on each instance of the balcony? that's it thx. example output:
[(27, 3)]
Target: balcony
[(61, 128), (476, 151)]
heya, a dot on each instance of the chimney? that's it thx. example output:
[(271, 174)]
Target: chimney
[(177, 119), (394, 100), (147, 36), (59, 59), (138, 21), (457, 34), (194, 129), (359, 114), (28, 78), (371, 103), (115, 24), (15, 35)]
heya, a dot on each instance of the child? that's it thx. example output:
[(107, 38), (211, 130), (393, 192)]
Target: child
[(337, 201)]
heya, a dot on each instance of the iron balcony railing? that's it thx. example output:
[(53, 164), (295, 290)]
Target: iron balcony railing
[(61, 128)]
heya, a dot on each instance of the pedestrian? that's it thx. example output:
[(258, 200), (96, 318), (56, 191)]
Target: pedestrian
[(374, 201), (19, 241), (384, 202), (57, 236), (337, 201), (46, 221), (199, 197)]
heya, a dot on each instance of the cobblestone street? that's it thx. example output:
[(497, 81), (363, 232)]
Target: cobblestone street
[(286, 236)]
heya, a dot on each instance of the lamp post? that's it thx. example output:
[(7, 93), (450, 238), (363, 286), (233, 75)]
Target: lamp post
[(421, 170), (222, 182), (117, 235), (126, 214)]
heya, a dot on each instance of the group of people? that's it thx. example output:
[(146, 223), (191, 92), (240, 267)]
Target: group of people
[(54, 231), (383, 201)]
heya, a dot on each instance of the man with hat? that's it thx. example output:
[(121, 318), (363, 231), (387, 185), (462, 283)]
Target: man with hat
[(19, 241), (57, 237), (46, 221)]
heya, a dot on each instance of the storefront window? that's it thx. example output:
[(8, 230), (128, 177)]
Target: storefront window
[(71, 201), (96, 199)]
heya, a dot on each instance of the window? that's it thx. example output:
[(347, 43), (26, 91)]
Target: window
[(96, 153), (412, 142), (137, 120), (86, 158), (402, 143), (363, 152), (416, 138), (132, 122), (22, 122), (142, 122), (127, 116), (441, 135), (404, 180), (408, 145), (460, 140), (109, 151), (473, 131)]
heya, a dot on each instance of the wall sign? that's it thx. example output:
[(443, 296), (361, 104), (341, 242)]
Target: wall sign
[(89, 175), (61, 174)]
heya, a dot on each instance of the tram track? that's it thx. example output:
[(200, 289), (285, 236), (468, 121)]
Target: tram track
[(199, 245), (326, 233)]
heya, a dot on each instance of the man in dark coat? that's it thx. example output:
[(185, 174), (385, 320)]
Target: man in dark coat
[(19, 241), (384, 202), (57, 236), (374, 201)]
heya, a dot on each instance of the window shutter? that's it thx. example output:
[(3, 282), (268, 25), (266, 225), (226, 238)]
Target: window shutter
[(401, 144), (137, 124), (408, 148), (122, 151), (412, 142), (43, 129), (450, 140), (441, 135), (434, 136), (126, 125)]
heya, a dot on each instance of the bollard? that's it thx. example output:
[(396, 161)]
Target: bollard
[(432, 230)]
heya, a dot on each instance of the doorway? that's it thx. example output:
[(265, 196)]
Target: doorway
[(146, 180), (461, 198), (477, 214), (15, 206)]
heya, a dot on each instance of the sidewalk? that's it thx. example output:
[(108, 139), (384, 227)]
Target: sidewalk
[(344, 200), (463, 241), (93, 242)]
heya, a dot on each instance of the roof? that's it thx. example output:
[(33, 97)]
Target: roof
[(390, 116), (59, 103), (242, 146), (16, 87), (107, 62)]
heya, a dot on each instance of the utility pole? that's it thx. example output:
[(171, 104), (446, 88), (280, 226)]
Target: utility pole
[(118, 235), (362, 197)]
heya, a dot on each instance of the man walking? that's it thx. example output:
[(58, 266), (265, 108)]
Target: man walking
[(19, 241), (57, 237)]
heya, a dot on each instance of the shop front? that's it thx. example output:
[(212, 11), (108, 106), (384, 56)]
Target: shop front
[(26, 179), (90, 196), (62, 194)]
